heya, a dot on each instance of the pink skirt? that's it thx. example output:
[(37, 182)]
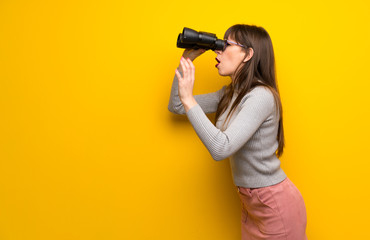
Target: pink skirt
[(274, 212)]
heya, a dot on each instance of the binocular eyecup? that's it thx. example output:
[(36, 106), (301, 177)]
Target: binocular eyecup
[(192, 39)]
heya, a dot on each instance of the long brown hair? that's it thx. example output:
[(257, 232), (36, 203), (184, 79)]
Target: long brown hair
[(258, 71)]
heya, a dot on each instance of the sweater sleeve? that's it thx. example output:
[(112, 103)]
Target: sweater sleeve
[(207, 102), (257, 106)]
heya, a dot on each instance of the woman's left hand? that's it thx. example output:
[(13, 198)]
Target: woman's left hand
[(186, 83)]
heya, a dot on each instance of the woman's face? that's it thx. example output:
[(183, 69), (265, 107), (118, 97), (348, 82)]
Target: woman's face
[(229, 59)]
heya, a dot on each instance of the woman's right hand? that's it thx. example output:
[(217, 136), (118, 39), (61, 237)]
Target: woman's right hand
[(192, 53)]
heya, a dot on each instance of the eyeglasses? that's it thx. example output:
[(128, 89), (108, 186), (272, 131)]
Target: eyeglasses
[(228, 43)]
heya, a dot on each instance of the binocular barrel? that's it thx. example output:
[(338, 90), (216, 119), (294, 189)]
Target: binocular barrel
[(190, 38)]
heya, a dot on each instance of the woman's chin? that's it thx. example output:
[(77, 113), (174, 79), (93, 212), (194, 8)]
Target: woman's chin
[(221, 73)]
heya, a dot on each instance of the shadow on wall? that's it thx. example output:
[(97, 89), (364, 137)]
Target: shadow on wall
[(210, 181)]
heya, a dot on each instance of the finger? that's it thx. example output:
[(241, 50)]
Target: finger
[(180, 65), (179, 77), (186, 64), (191, 69), (185, 68), (190, 63)]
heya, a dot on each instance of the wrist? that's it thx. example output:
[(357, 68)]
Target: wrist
[(188, 104)]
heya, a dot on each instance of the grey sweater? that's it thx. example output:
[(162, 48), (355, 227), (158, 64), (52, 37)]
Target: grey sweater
[(248, 138)]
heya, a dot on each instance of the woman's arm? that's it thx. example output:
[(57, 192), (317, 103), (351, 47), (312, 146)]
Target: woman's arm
[(208, 102), (257, 107)]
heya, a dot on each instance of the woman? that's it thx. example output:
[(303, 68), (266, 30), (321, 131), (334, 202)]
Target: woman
[(248, 130)]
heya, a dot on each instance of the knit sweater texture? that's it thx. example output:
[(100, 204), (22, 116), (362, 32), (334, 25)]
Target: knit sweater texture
[(248, 138)]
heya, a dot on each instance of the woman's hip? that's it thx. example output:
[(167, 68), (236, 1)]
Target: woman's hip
[(274, 210)]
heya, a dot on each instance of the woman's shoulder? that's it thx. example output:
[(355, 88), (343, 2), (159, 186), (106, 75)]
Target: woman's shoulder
[(261, 98), (260, 93)]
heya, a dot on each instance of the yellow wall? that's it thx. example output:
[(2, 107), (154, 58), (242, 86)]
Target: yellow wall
[(88, 149)]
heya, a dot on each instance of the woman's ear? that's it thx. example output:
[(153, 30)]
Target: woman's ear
[(249, 55)]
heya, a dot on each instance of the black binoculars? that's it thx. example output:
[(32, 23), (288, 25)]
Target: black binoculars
[(190, 38)]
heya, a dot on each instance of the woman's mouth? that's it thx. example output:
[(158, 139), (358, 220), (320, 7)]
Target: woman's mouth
[(218, 62)]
